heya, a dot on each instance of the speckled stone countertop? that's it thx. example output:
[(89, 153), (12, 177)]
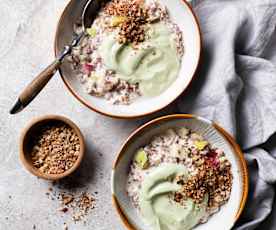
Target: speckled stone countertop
[(27, 32)]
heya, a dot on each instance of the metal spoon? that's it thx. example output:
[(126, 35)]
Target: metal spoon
[(32, 90)]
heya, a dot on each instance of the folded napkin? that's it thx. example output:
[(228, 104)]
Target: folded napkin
[(236, 87)]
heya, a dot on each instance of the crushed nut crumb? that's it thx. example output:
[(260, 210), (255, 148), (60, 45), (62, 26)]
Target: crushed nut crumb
[(210, 179), (77, 205), (55, 148), (67, 199), (135, 15)]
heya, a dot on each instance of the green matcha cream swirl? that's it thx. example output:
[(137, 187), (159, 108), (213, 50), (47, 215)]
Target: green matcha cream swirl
[(154, 64), (159, 210)]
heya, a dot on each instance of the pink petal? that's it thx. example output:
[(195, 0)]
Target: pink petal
[(212, 158), (87, 68)]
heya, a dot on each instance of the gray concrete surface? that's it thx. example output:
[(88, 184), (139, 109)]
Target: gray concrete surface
[(26, 46)]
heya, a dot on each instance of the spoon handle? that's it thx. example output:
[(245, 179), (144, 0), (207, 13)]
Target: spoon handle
[(37, 84), (33, 89)]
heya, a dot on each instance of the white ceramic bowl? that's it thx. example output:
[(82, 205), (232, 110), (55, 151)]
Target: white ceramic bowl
[(182, 14), (218, 137)]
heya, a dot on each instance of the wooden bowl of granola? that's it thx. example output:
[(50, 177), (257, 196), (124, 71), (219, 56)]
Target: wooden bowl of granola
[(51, 147)]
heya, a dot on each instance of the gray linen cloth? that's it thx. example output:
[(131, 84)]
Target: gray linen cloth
[(236, 87)]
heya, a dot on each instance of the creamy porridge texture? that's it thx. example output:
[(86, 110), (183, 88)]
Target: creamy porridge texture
[(132, 49), (179, 180)]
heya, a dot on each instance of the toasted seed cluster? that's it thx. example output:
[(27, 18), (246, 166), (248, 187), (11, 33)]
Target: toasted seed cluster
[(56, 148), (132, 28), (211, 178), (76, 205), (84, 203)]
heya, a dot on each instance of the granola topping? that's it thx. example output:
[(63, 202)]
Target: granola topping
[(210, 179), (134, 16), (56, 148)]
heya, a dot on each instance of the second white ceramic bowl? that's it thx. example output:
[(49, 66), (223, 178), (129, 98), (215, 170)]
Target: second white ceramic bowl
[(217, 136)]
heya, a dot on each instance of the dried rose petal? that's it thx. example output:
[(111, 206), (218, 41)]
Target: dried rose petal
[(212, 159), (87, 68)]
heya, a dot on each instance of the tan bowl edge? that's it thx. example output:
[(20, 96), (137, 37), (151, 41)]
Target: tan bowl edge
[(227, 136), (117, 116), (123, 217), (31, 168), (243, 166)]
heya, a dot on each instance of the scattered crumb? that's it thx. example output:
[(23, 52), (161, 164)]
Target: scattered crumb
[(77, 205), (83, 204), (64, 209), (65, 227), (67, 199)]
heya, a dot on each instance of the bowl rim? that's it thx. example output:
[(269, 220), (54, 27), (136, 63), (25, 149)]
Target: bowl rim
[(94, 108), (236, 148), (31, 168)]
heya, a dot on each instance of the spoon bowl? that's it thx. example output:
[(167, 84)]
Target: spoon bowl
[(89, 13)]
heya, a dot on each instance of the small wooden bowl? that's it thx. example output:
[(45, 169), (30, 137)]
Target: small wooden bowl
[(25, 145)]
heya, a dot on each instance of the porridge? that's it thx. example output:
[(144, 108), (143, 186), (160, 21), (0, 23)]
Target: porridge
[(179, 180), (132, 49)]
